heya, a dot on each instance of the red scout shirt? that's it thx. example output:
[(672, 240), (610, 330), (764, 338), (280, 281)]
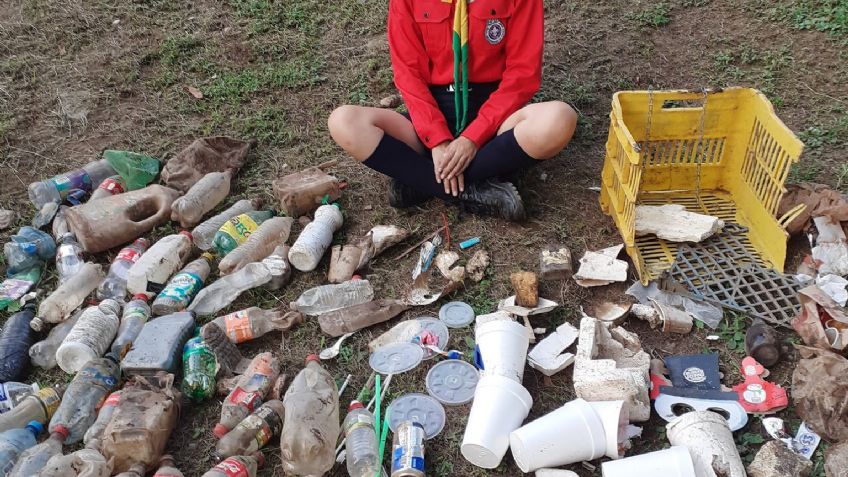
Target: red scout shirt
[(505, 44)]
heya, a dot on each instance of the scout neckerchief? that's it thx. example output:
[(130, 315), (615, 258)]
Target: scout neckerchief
[(460, 63)]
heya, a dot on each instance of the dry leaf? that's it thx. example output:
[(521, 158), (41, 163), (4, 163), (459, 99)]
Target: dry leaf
[(195, 92)]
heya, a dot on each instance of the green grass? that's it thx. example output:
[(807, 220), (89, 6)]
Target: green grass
[(747, 63), (654, 16), (828, 16), (834, 133), (732, 332)]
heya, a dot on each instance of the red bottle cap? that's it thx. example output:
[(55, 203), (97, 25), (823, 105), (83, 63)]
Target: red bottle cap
[(220, 430), (354, 405), (186, 233), (140, 296), (62, 431), (312, 357)]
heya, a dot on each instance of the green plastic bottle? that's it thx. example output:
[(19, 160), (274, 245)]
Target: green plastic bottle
[(235, 231), (199, 367)]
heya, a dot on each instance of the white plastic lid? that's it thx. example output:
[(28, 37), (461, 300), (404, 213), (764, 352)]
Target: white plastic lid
[(452, 382), (457, 314), (396, 358), (419, 408)]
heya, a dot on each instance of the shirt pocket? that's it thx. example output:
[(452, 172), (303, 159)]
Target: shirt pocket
[(489, 22), (433, 18)]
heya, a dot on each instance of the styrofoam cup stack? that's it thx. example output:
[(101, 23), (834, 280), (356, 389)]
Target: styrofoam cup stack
[(672, 462), (615, 416), (503, 348)]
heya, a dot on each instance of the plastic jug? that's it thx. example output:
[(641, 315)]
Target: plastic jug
[(203, 196), (133, 319), (183, 286), (152, 271), (112, 185), (15, 339), (114, 286), (43, 353), (326, 298), (57, 188), (250, 390), (35, 458), (159, 345), (253, 322), (251, 434), (316, 238), (220, 293), (94, 435), (68, 296), (116, 220), (90, 337), (205, 232), (235, 231), (36, 407), (90, 386)]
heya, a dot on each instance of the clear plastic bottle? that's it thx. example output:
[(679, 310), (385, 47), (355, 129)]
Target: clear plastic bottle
[(250, 390), (203, 196), (135, 315), (152, 271), (82, 463), (183, 286), (316, 238), (36, 407), (35, 458), (223, 291), (115, 284), (12, 393), (28, 248), (236, 466), (94, 434), (43, 353), (14, 442), (235, 231), (205, 232), (15, 340), (251, 323), (311, 425), (199, 370), (57, 188), (167, 467), (69, 259), (93, 382), (260, 244), (251, 434), (60, 223), (112, 185), (279, 266), (361, 442), (326, 298), (90, 337), (68, 296)]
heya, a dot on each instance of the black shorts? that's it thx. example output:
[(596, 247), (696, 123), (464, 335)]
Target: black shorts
[(478, 93)]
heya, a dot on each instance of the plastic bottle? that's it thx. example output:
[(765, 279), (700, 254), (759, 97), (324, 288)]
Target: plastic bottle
[(82, 463), (235, 231), (69, 259), (361, 442), (43, 353), (68, 296), (220, 293), (15, 340), (112, 185), (253, 322), (311, 425), (203, 196), (57, 188), (60, 223), (90, 337), (250, 390), (236, 466), (226, 353), (16, 286), (152, 271), (135, 315), (199, 370), (35, 458), (12, 393), (167, 467), (327, 298), (205, 232), (183, 286), (14, 442), (251, 434), (137, 470), (260, 244), (115, 284), (316, 238), (26, 249), (36, 407), (279, 266), (93, 382), (94, 434)]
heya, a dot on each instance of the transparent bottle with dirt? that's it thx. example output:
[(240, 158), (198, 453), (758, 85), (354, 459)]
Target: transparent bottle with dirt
[(35, 458), (69, 259), (12, 393), (236, 230), (311, 424), (90, 337), (43, 353), (36, 407), (68, 296), (249, 392), (164, 258), (14, 442), (183, 286), (223, 291), (84, 462), (58, 187), (94, 434), (90, 386), (251, 434), (203, 196), (167, 467), (326, 298), (115, 284), (240, 466), (362, 452), (251, 323), (205, 231), (60, 223), (112, 185), (316, 238), (15, 339), (199, 370), (279, 266), (135, 315), (260, 244), (27, 248)]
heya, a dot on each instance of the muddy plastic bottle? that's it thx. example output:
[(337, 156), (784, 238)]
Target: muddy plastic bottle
[(167, 467), (183, 286), (114, 286), (235, 231), (82, 463), (135, 315), (316, 238), (203, 196), (43, 353), (120, 219), (356, 317), (251, 434), (15, 340), (92, 384), (35, 458), (223, 291), (279, 266), (57, 188), (94, 434), (14, 442), (311, 425), (110, 186), (60, 223), (152, 271), (251, 323), (36, 407), (90, 337), (236, 466), (26, 249), (199, 369), (69, 259), (68, 296), (205, 232), (12, 393), (260, 244), (326, 298), (362, 455), (137, 470), (250, 390)]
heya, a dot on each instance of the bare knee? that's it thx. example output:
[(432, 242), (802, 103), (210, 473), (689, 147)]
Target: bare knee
[(347, 125), (555, 129)]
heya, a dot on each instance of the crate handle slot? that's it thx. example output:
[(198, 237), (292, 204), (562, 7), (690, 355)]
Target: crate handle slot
[(791, 215), (683, 103)]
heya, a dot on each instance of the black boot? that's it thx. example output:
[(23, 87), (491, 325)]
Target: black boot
[(402, 196), (493, 198)]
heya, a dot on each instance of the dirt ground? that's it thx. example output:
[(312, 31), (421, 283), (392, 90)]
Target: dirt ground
[(80, 77)]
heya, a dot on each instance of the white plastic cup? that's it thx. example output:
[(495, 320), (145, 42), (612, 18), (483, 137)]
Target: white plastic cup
[(503, 347), (615, 416), (672, 462), (500, 406), (572, 433)]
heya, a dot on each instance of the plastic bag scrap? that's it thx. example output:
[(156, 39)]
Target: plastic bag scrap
[(819, 391), (836, 460), (822, 322), (830, 252), (137, 170), (707, 313), (819, 199), (205, 155)]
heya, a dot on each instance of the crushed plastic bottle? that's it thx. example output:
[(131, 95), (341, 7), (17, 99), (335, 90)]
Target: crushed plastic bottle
[(90, 337), (57, 188), (236, 466), (94, 434), (90, 386), (69, 259), (167, 467), (223, 291), (27, 249), (311, 425), (14, 442), (251, 323), (68, 296), (279, 266), (251, 434), (362, 455), (16, 286), (112, 185), (326, 298), (35, 458), (316, 238), (135, 315), (203, 196), (199, 370), (235, 231), (15, 340), (43, 353), (205, 232), (12, 393), (260, 244), (250, 390), (36, 407), (182, 287), (152, 271), (82, 463), (114, 286)]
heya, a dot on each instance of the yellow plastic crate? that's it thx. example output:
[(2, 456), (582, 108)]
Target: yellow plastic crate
[(723, 153)]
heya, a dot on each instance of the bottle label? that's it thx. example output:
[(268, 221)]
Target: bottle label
[(133, 313), (269, 424), (5, 400), (13, 288), (76, 180), (113, 399), (182, 287), (237, 326), (233, 468), (128, 254), (50, 399), (248, 400), (112, 186), (94, 377), (239, 228), (66, 251)]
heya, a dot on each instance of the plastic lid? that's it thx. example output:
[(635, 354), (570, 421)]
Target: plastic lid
[(208, 256), (419, 408), (354, 405), (312, 357), (220, 430), (36, 426), (396, 358), (62, 431), (186, 233), (452, 382), (140, 296), (457, 314)]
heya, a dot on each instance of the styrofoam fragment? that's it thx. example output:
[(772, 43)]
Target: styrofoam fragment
[(547, 357), (601, 268), (674, 223)]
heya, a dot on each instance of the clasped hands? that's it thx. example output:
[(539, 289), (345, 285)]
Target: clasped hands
[(450, 159)]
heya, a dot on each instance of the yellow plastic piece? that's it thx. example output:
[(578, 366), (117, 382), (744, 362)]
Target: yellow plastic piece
[(730, 160)]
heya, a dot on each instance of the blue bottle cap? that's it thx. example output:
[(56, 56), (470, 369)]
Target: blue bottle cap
[(36, 426)]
